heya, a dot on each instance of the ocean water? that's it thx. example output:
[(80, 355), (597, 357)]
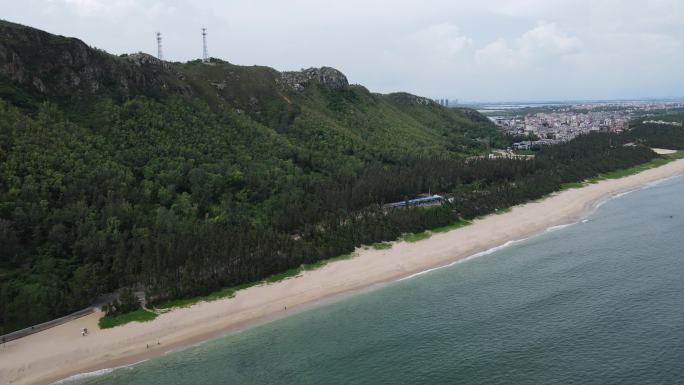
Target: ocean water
[(598, 302)]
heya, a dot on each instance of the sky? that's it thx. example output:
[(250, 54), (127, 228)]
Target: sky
[(471, 50)]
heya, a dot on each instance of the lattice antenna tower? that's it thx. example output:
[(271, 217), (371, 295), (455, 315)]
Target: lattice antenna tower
[(160, 55), (205, 54)]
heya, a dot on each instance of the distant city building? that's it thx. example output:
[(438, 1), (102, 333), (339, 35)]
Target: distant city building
[(442, 102), (566, 122)]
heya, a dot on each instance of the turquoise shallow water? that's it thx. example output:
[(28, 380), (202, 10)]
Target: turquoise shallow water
[(598, 302)]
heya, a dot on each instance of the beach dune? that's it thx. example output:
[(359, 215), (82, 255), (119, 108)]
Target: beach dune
[(61, 351)]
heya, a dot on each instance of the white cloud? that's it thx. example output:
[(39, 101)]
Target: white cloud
[(548, 39), (655, 43), (442, 40), (114, 9), (498, 53), (544, 41), (518, 8), (94, 7)]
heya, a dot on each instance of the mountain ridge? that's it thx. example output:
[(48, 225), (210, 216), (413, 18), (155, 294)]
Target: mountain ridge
[(126, 171), (180, 179)]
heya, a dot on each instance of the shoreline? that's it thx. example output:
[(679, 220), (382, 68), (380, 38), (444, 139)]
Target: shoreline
[(60, 352)]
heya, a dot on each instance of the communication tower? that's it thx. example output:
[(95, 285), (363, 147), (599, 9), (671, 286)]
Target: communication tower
[(160, 56), (205, 55)]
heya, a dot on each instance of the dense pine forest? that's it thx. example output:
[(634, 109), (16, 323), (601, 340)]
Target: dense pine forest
[(182, 178), (660, 135)]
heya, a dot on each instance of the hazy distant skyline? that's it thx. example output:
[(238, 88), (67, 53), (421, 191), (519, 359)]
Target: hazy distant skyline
[(486, 50)]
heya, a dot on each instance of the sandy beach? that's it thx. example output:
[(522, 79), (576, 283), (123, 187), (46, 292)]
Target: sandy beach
[(61, 351)]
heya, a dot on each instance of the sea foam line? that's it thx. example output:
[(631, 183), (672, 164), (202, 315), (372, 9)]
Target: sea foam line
[(660, 181), (549, 229), (485, 252), (559, 227), (645, 186), (105, 371), (473, 256), (95, 373)]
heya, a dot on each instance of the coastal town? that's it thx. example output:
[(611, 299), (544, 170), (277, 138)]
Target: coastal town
[(559, 123)]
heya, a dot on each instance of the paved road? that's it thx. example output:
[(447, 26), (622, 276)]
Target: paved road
[(107, 298)]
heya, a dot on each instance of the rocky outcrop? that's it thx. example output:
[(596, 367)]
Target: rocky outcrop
[(45, 62), (405, 98), (59, 66), (140, 59), (51, 66), (299, 80)]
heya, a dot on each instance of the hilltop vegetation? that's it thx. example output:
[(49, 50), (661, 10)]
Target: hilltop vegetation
[(124, 170), (660, 135), (184, 178)]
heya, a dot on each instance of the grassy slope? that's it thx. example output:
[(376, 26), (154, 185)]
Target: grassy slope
[(351, 121), (140, 315)]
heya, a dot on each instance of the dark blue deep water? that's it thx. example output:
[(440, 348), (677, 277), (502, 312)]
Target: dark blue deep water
[(598, 302)]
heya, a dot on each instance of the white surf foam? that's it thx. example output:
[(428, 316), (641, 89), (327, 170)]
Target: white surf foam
[(96, 373), (559, 227), (643, 187), (661, 181), (623, 194), (83, 376), (550, 229), (476, 255), (616, 196)]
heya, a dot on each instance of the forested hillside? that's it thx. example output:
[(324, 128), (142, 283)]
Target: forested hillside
[(181, 178), (660, 135), (125, 170)]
